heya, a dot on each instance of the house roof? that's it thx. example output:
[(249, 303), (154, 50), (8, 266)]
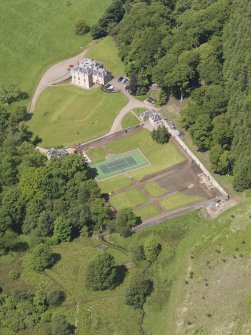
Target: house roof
[(56, 152), (152, 114), (89, 67)]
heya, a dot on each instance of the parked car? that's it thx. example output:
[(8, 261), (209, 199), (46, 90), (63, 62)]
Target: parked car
[(150, 100), (120, 79), (71, 65), (125, 80)]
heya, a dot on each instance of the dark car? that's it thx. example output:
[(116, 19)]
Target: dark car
[(120, 79)]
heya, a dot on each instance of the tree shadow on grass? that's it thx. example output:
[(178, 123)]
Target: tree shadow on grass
[(92, 172), (121, 274), (54, 259), (20, 246)]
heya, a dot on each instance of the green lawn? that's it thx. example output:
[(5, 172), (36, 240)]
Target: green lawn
[(96, 154), (114, 184), (154, 189), (178, 200), (130, 198), (106, 52), (138, 110), (129, 120), (147, 211), (67, 115), (35, 34), (160, 156)]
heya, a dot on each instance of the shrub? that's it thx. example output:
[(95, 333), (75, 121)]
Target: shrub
[(62, 230), (152, 249), (41, 257), (13, 274), (124, 221), (82, 28), (137, 291), (60, 326), (101, 273), (161, 135), (55, 297), (138, 253)]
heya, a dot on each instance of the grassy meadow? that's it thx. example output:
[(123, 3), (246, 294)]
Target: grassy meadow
[(105, 51), (66, 115), (191, 274), (35, 34)]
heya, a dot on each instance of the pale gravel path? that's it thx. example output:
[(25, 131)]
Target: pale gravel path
[(54, 73), (132, 103)]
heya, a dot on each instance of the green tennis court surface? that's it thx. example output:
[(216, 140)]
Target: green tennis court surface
[(127, 161)]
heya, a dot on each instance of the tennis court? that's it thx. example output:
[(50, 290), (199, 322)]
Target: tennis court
[(119, 164)]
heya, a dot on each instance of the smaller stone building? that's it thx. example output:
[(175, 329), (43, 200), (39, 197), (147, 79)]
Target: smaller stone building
[(154, 117), (89, 73)]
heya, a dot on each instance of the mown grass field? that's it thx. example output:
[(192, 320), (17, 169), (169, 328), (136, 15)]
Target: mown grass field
[(114, 184), (154, 189), (66, 115), (130, 198), (195, 250), (160, 156), (129, 120), (96, 154), (178, 200), (147, 211), (35, 34), (105, 51)]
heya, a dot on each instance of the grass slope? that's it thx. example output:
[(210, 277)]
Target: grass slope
[(106, 52), (160, 156), (35, 34), (129, 120), (195, 251), (65, 115)]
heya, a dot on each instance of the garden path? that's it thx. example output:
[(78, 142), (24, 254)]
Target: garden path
[(54, 73)]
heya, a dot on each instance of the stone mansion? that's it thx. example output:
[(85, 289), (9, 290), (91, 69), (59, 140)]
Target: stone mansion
[(88, 73)]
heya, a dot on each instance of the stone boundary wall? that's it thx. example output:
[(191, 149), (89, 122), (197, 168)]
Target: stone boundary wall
[(109, 137), (212, 180), (61, 79), (165, 216)]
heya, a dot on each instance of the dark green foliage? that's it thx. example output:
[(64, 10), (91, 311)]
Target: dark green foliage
[(21, 311), (60, 325), (196, 48), (137, 291), (113, 14), (11, 93), (125, 220), (7, 241), (62, 230), (81, 27), (54, 297), (101, 273), (138, 253), (160, 135), (152, 249), (41, 257), (13, 274)]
